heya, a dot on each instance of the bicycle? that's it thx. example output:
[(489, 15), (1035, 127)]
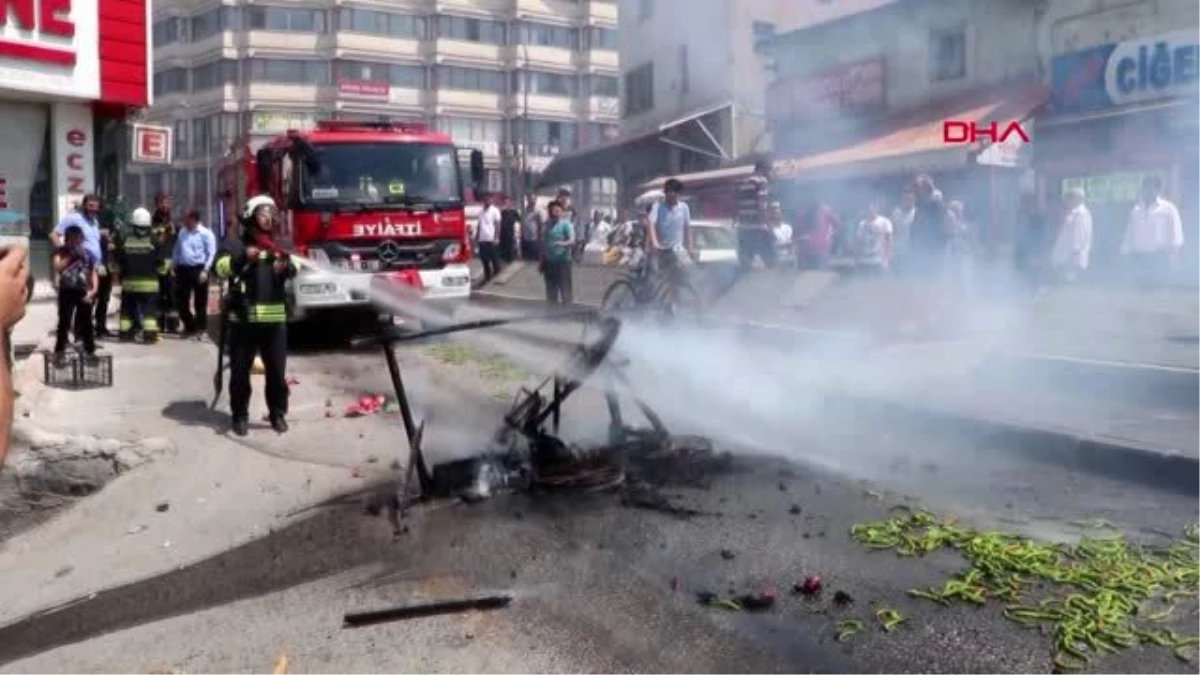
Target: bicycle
[(669, 290)]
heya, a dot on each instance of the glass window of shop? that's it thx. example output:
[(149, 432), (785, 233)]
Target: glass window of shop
[(166, 31), (471, 30), (555, 134), (213, 75), (602, 38), (546, 35), (553, 84), (215, 21), (470, 79), (281, 71), (170, 81), (381, 23), (285, 19)]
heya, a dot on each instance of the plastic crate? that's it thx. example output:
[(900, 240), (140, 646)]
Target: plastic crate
[(78, 371)]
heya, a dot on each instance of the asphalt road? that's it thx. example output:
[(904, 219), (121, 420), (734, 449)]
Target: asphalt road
[(592, 579)]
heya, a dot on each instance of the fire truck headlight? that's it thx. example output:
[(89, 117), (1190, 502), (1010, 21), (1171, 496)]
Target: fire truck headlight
[(452, 252)]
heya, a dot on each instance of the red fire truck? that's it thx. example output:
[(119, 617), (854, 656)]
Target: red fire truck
[(360, 200)]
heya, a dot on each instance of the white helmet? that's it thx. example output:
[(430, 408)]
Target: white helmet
[(255, 203), (140, 218)]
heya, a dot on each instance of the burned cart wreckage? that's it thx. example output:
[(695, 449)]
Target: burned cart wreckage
[(527, 454)]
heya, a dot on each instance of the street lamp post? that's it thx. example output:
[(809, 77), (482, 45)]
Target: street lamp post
[(523, 136)]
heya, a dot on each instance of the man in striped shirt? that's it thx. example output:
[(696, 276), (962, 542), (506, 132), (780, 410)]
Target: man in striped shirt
[(751, 196)]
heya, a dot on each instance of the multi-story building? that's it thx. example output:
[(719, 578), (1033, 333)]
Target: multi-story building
[(521, 80), (692, 85)]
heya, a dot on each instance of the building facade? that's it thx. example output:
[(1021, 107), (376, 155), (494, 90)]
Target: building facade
[(69, 76), (521, 80), (1123, 81)]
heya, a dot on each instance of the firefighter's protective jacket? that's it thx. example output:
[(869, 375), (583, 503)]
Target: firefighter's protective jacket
[(139, 258), (165, 233), (257, 292)]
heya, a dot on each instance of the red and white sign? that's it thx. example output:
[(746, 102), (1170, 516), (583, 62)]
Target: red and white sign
[(151, 144), (364, 89), (74, 167), (50, 46), (848, 88)]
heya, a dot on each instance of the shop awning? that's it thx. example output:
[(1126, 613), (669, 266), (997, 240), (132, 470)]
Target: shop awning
[(599, 160), (702, 177), (914, 141)]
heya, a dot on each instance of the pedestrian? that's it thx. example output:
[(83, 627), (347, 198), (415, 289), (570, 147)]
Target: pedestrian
[(14, 275), (139, 259), (874, 240), (781, 231), (509, 220), (564, 199), (163, 224), (105, 270), (588, 234), (258, 270), (531, 229), (195, 251), (902, 220), (819, 232), (1031, 249), (77, 285), (87, 219), (1154, 235), (751, 196), (1073, 243), (557, 245), (930, 235), (486, 237), (670, 230)]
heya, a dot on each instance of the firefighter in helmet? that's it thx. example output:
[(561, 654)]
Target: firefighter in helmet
[(139, 259), (257, 269), (165, 231)]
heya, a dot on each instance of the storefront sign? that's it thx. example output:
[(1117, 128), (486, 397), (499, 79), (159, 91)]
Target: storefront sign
[(1111, 188), (363, 89), (264, 122), (74, 154), (1167, 66), (151, 144), (844, 89), (50, 46)]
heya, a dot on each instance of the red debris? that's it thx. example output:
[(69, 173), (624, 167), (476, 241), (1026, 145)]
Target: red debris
[(367, 405), (291, 381), (811, 585), (356, 472)]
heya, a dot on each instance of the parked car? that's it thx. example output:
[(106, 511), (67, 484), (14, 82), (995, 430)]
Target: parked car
[(713, 242)]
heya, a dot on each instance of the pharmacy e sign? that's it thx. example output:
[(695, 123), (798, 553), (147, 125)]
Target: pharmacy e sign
[(151, 144)]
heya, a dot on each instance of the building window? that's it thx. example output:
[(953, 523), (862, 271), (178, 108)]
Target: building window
[(470, 79), (215, 21), (762, 30), (279, 71), (552, 137), (360, 71), (170, 81), (639, 89), (602, 38), (472, 129), (183, 144), (947, 54), (382, 23), (471, 30), (166, 31), (282, 19), (603, 85), (213, 75), (547, 35), (645, 9), (592, 133), (550, 84), (411, 77)]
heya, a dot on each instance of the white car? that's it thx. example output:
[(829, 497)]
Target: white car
[(713, 242)]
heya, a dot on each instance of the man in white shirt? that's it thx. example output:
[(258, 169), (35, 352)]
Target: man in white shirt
[(1154, 236), (1073, 244), (874, 247), (902, 220), (487, 236), (781, 230)]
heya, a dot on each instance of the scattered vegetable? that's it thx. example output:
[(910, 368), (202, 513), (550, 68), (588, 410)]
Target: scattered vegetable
[(847, 628)]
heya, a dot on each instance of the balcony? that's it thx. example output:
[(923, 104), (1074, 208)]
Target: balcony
[(548, 9), (265, 43), (448, 100), (550, 58), (601, 61), (223, 43), (369, 47), (472, 7), (446, 51), (542, 104), (598, 13), (599, 108)]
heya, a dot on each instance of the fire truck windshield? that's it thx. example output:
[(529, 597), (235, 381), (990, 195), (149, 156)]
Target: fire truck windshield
[(399, 174)]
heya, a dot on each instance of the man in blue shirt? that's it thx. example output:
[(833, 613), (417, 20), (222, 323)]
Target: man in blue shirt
[(195, 249), (87, 219)]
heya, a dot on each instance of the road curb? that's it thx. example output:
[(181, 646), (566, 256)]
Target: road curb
[(1124, 459)]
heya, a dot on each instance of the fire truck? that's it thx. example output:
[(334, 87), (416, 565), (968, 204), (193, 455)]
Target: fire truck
[(361, 202)]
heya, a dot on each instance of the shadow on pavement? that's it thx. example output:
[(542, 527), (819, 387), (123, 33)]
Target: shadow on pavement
[(196, 413)]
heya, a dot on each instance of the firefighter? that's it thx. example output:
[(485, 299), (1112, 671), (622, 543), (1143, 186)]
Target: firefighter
[(165, 232), (257, 269), (139, 259)]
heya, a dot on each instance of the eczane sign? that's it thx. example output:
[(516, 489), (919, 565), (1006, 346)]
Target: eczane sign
[(151, 144), (50, 46)]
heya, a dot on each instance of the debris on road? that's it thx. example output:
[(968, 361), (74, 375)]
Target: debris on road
[(366, 405), (641, 497), (810, 585), (846, 629), (728, 554), (134, 529), (674, 584), (357, 619), (842, 598), (292, 381), (795, 510), (281, 665), (757, 602), (711, 599), (162, 507), (889, 618)]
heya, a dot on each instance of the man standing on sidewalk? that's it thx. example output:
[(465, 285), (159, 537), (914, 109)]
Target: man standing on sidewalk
[(163, 226), (1154, 235), (195, 249), (751, 196), (487, 236), (87, 219), (104, 271), (531, 229), (1073, 244), (556, 256)]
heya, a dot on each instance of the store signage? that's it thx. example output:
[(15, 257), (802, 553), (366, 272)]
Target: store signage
[(269, 122), (45, 29), (75, 162), (362, 89), (74, 169), (151, 144), (845, 89), (1166, 66)]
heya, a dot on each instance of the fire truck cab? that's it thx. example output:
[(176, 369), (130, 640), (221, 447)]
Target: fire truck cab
[(362, 202)]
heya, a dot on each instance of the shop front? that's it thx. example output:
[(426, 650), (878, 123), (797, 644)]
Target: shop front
[(1119, 113), (69, 69)]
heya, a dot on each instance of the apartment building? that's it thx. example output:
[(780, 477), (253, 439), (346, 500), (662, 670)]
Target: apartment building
[(521, 80)]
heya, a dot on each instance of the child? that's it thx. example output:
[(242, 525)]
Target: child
[(77, 284)]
